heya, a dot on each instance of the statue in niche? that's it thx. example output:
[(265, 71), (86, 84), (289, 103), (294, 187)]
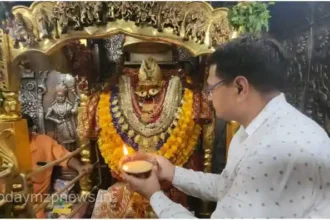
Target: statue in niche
[(22, 32), (149, 110), (33, 89), (62, 113), (45, 25)]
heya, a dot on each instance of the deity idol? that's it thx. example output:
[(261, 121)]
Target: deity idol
[(62, 113), (148, 112)]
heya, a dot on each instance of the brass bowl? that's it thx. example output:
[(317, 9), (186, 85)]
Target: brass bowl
[(137, 165)]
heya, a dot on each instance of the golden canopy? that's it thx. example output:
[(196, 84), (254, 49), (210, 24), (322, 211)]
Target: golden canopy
[(47, 26)]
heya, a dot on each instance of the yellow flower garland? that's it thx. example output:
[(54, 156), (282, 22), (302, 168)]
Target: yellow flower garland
[(178, 147)]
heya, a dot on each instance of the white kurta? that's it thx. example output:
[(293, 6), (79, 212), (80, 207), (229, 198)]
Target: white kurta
[(278, 167)]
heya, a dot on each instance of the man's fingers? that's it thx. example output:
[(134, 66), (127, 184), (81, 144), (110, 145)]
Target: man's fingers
[(154, 170), (133, 182), (125, 176), (130, 179)]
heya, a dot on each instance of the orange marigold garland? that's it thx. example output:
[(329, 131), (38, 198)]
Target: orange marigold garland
[(178, 147)]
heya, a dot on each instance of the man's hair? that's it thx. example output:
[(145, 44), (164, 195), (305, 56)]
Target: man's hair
[(28, 119), (261, 60)]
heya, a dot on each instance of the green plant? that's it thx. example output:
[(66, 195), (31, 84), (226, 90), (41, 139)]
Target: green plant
[(251, 17)]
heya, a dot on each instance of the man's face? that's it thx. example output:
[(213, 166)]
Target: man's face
[(222, 95)]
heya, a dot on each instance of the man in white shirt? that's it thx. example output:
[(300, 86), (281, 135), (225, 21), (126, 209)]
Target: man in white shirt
[(279, 160)]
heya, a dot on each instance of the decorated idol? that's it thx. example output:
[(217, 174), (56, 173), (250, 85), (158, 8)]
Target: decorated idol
[(147, 112)]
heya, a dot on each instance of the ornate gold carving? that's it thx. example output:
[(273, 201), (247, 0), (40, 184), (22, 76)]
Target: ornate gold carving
[(6, 154), (85, 182), (208, 140), (113, 8), (45, 25), (220, 31), (156, 21), (4, 61), (17, 143), (172, 15), (66, 16), (195, 25), (16, 156), (146, 13), (83, 90), (10, 108), (22, 32)]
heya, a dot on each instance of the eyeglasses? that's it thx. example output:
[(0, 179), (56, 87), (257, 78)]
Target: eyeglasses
[(209, 91)]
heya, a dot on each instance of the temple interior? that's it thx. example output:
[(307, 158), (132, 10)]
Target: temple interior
[(105, 79)]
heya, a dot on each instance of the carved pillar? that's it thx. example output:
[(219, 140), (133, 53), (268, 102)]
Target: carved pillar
[(208, 129), (10, 107), (208, 141), (206, 207), (85, 181), (231, 128), (14, 140)]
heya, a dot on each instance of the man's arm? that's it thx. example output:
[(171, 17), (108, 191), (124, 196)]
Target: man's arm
[(276, 182), (59, 151), (270, 183), (201, 185), (166, 208), (74, 163), (206, 186)]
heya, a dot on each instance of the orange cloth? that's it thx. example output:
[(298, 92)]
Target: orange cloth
[(44, 149)]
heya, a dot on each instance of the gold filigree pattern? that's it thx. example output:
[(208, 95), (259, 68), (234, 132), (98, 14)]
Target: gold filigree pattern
[(47, 26), (172, 15), (208, 141), (3, 61), (220, 31), (7, 155), (195, 25), (11, 107)]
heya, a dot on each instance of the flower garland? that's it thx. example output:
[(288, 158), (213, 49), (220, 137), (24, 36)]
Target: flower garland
[(178, 147)]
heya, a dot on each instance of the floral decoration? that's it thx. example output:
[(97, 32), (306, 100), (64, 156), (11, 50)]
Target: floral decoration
[(177, 145)]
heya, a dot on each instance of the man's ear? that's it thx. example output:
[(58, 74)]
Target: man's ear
[(242, 85), (239, 88)]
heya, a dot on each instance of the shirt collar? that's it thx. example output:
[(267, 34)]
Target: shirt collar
[(270, 109)]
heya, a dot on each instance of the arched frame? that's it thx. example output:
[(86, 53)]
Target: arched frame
[(48, 26)]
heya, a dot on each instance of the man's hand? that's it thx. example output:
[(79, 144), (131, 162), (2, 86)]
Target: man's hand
[(75, 164), (145, 187), (85, 168), (165, 169)]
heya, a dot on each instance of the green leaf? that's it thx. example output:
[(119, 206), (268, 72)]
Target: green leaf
[(250, 16)]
